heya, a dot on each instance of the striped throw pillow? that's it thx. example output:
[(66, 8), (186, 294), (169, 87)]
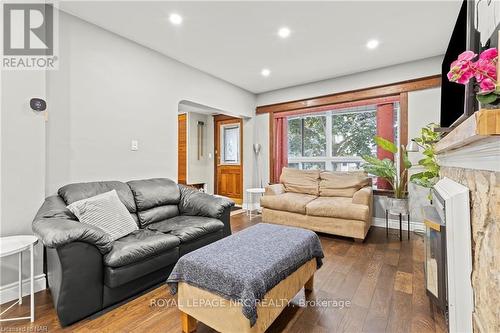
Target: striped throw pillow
[(107, 212)]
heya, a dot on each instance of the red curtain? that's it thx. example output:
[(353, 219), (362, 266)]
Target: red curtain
[(385, 129), (280, 147)]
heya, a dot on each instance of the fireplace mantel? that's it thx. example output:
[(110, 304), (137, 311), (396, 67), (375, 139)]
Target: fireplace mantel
[(474, 144)]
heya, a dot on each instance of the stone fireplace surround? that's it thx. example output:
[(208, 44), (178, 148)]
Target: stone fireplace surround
[(473, 160), (484, 189)]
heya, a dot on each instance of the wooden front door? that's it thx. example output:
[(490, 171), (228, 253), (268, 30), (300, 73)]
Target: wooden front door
[(229, 157), (182, 148)]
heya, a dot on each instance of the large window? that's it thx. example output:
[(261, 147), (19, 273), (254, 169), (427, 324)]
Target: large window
[(334, 140)]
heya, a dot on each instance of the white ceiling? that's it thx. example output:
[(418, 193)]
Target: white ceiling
[(234, 41)]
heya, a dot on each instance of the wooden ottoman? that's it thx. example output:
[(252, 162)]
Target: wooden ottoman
[(224, 316), (243, 282)]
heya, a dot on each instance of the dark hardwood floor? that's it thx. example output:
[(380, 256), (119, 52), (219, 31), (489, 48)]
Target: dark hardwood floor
[(382, 278)]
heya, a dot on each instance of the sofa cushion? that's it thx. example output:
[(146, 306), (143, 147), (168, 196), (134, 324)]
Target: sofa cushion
[(156, 199), (138, 246), (196, 243), (290, 202), (106, 212), (118, 276), (154, 192), (342, 183), (300, 181), (338, 207), (187, 228), (78, 191)]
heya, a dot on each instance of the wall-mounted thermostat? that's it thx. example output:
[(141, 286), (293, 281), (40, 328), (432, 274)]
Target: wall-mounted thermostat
[(134, 145)]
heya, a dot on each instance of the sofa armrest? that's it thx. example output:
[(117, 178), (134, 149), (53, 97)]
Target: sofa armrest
[(363, 196), (56, 226), (196, 203), (75, 278), (274, 189)]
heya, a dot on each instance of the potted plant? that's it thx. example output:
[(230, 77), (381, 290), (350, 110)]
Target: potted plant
[(427, 140), (483, 70), (388, 170)]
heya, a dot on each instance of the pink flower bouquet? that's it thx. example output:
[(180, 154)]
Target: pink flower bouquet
[(484, 70)]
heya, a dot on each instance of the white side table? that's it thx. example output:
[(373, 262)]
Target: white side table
[(16, 245), (251, 192)]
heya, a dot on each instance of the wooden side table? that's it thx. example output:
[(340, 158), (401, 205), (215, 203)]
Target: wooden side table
[(16, 245)]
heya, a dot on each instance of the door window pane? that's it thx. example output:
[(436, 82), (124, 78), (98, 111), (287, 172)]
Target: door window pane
[(231, 144)]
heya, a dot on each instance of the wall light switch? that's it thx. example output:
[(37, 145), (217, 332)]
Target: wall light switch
[(134, 145)]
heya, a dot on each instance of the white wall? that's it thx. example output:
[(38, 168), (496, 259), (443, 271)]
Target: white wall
[(423, 108), (376, 77), (109, 91), (262, 138), (489, 18), (22, 165)]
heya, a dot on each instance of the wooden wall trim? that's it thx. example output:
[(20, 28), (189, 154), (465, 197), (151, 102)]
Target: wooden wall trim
[(182, 148), (271, 147), (355, 95), (403, 123)]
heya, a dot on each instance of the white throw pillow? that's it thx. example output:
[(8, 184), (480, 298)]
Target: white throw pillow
[(107, 212)]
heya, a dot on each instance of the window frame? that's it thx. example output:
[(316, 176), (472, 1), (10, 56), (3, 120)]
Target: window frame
[(329, 159)]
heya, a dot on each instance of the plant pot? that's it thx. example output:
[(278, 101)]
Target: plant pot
[(487, 121), (397, 206)]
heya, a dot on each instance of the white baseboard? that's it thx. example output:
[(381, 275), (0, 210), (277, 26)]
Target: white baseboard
[(394, 224), (9, 292)]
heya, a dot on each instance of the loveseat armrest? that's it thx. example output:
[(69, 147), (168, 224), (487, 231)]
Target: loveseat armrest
[(196, 203), (363, 196), (56, 226), (274, 189)]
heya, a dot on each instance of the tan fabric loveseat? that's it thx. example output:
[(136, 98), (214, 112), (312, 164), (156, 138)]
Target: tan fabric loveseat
[(338, 203)]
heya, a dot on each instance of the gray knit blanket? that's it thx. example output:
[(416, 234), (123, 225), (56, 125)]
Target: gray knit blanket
[(245, 266)]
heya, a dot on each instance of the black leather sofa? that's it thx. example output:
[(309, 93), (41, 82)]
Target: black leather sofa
[(87, 273)]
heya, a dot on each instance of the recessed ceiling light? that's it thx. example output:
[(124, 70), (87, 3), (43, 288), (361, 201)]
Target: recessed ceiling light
[(284, 32), (265, 72), (372, 44), (175, 18)]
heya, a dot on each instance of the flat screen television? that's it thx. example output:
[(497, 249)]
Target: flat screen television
[(458, 101)]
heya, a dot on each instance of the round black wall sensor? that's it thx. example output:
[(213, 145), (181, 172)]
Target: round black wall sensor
[(38, 104)]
